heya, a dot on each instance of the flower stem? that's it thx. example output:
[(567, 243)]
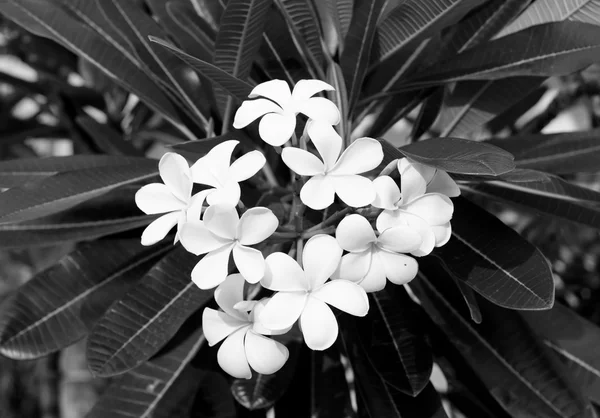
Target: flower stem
[(332, 219)]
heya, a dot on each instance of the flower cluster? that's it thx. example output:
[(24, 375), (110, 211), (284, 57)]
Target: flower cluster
[(381, 227)]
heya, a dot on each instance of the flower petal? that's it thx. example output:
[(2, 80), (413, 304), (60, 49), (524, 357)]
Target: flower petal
[(399, 268), (320, 258), (436, 209), (246, 166), (250, 110), (157, 198), (354, 266), (197, 239), (222, 220), (354, 190), (228, 195), (256, 225), (212, 269), (387, 193), (213, 168), (442, 234), (400, 239), (194, 210), (318, 192), (217, 325), (276, 90), (326, 140), (374, 280), (277, 129), (159, 228), (283, 273), (232, 355), (319, 109), (259, 327), (305, 89), (362, 155), (344, 295), (355, 234), (283, 310), (250, 262), (412, 181), (318, 324), (444, 184), (176, 174), (388, 219), (266, 356), (229, 293), (302, 162)]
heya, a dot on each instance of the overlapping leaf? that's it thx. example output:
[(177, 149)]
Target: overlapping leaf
[(67, 189), (520, 373), (454, 155), (394, 338), (59, 305), (496, 261), (139, 393), (146, 318), (545, 50)]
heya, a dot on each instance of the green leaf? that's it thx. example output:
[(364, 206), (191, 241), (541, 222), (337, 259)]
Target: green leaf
[(147, 317), (140, 393), (563, 153), (496, 261), (339, 96), (546, 50), (358, 45), (238, 41), (520, 373), (340, 14), (67, 189), (380, 399), (83, 41), (232, 85), (570, 337), (454, 155), (394, 338), (557, 198), (262, 391), (191, 32), (331, 394), (546, 11), (202, 146), (19, 171), (106, 138), (59, 305), (413, 21)]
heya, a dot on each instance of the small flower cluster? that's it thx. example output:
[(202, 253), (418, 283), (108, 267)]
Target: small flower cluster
[(335, 266)]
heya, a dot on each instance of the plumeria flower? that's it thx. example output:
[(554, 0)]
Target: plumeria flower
[(279, 107), (334, 174), (221, 233), (173, 198), (371, 259), (216, 170), (303, 294), (421, 179), (245, 345), (429, 213)]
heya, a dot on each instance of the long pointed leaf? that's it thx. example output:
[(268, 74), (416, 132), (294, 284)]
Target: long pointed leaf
[(59, 305), (146, 318)]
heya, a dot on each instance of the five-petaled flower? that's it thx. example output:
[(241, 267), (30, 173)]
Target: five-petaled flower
[(304, 294), (279, 107), (335, 174), (174, 198), (245, 345), (371, 259), (216, 170), (222, 232)]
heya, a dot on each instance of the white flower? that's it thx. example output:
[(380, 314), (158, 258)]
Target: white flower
[(335, 174), (429, 214), (216, 170), (245, 346), (303, 294), (421, 179), (174, 198), (223, 232), (279, 107), (371, 259)]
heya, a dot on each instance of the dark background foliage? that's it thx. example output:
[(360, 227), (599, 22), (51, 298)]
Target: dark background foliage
[(76, 283)]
